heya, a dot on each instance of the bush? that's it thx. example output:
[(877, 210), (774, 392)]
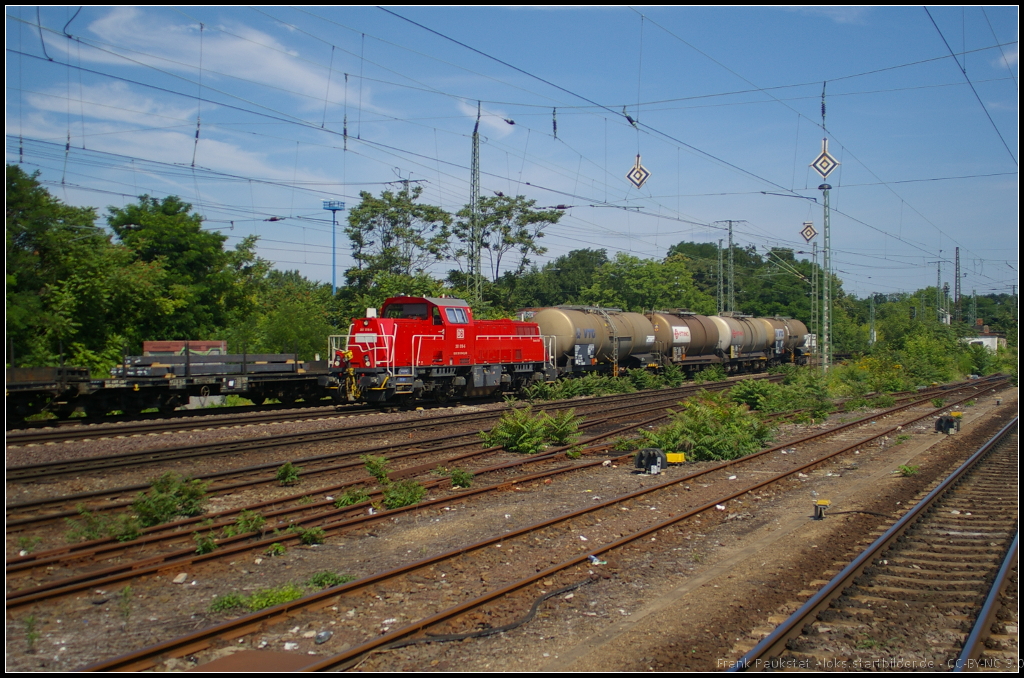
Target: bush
[(90, 526), (563, 428), (310, 535), (710, 373), (518, 431), (170, 496), (377, 467), (673, 376), (461, 478), (288, 474), (250, 521), (403, 493), (711, 428), (353, 495), (205, 543), (753, 392)]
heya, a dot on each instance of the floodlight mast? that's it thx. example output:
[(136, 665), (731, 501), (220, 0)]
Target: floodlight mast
[(334, 206)]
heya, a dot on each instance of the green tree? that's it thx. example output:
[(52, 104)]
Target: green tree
[(508, 227), (199, 281), (70, 291), (394, 234), (634, 284)]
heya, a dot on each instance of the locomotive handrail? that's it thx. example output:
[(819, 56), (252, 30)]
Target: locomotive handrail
[(417, 350)]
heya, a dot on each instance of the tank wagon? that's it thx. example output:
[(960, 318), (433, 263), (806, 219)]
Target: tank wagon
[(588, 339)]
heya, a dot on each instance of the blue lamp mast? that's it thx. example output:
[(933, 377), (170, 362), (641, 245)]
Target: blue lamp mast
[(334, 206)]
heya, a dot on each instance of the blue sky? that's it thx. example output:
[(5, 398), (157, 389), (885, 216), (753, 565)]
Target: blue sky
[(727, 103)]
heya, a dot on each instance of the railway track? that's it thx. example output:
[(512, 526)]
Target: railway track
[(604, 523), (90, 431), (914, 599)]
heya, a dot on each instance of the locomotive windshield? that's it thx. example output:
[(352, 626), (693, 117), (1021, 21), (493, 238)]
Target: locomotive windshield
[(411, 311)]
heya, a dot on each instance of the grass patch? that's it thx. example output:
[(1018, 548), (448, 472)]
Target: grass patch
[(259, 600), (326, 579), (353, 495)]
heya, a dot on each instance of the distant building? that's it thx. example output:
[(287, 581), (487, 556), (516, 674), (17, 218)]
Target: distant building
[(990, 340)]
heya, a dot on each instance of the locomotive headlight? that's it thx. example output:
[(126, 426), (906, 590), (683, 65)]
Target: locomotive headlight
[(366, 360)]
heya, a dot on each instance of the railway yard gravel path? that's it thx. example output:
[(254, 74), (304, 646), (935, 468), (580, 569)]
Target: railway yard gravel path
[(687, 599)]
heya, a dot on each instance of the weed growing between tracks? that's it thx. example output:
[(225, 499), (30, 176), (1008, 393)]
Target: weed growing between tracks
[(520, 431), (711, 428)]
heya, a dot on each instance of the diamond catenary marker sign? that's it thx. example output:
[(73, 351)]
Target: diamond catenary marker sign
[(639, 174), (824, 163)]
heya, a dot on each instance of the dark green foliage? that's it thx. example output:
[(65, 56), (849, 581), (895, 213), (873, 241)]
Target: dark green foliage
[(353, 495), (326, 579), (170, 496), (91, 526), (205, 543), (461, 478), (673, 376), (229, 601), (377, 467), (87, 528), (753, 392), (643, 380), (310, 535), (709, 374), (250, 521), (288, 474), (403, 493), (884, 401), (711, 428), (589, 385), (563, 428), (519, 431), (276, 549), (394, 235)]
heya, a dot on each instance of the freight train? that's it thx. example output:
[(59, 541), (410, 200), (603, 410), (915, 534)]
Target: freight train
[(428, 347), (419, 347)]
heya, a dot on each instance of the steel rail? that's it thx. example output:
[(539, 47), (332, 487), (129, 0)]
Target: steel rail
[(775, 642), (188, 556), (974, 645), (146, 657)]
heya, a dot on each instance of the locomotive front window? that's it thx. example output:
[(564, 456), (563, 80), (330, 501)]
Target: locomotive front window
[(457, 316), (413, 311)]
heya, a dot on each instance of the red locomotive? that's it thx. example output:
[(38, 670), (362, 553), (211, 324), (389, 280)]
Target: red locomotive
[(433, 347)]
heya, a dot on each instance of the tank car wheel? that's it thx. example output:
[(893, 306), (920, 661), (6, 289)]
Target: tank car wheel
[(258, 399)]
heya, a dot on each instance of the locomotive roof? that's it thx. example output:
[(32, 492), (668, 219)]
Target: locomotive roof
[(436, 301)]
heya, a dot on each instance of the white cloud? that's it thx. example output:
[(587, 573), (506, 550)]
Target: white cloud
[(840, 15), (112, 102), (1006, 60)]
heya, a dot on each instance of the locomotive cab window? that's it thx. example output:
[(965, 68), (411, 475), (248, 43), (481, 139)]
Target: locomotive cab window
[(457, 316), (436, 315), (407, 311)]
